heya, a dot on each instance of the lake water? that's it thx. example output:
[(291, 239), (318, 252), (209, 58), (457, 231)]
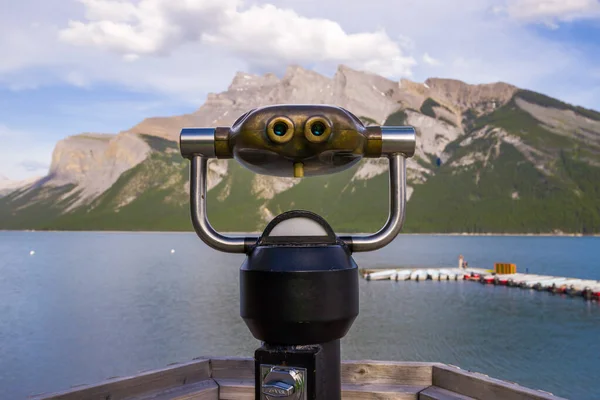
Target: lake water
[(88, 306)]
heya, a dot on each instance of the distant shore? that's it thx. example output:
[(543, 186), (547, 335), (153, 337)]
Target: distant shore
[(340, 234)]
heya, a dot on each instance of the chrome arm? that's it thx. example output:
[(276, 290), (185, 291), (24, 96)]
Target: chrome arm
[(205, 231), (233, 244), (397, 172)]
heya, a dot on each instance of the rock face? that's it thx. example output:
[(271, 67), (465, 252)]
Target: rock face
[(94, 162), (489, 158), (565, 123), (266, 187), (434, 134), (364, 94), (482, 98)]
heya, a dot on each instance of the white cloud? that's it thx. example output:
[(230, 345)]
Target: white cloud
[(551, 11), (181, 49), (131, 57), (405, 42), (36, 58), (476, 44), (427, 59), (265, 36), (22, 154), (76, 78), (199, 50)]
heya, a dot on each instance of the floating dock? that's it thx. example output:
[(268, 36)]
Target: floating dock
[(586, 288)]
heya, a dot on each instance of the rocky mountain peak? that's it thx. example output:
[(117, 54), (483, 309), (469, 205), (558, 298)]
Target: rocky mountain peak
[(243, 80), (463, 95), (456, 150), (363, 93), (414, 87), (302, 79), (95, 161)]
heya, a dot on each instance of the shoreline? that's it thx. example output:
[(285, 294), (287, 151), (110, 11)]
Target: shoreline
[(340, 234)]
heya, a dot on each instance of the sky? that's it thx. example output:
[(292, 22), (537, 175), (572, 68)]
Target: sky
[(73, 66)]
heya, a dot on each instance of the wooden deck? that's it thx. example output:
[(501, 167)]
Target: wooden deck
[(233, 379)]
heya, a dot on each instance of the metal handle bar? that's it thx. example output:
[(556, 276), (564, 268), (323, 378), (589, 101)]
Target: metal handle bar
[(357, 243)]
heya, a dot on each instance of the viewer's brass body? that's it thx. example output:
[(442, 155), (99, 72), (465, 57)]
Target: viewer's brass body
[(298, 152)]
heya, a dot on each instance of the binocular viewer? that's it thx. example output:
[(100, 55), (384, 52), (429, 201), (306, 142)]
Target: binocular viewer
[(298, 141), (299, 282)]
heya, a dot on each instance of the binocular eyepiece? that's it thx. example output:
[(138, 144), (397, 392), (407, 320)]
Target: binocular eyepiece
[(281, 129), (298, 140)]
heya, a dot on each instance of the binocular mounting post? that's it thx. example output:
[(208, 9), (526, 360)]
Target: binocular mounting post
[(299, 282)]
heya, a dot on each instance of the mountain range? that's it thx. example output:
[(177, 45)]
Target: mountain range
[(491, 158)]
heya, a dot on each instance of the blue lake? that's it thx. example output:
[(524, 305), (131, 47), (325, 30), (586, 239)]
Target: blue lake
[(88, 306)]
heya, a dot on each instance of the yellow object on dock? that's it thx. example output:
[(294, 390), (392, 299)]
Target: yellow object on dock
[(503, 268)]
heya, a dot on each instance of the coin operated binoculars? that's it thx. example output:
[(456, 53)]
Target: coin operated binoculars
[(299, 283)]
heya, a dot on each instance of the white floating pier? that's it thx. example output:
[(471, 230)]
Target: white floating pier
[(586, 288), (418, 275), (433, 274), (402, 275), (382, 275)]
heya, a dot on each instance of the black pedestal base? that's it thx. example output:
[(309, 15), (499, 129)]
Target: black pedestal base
[(321, 362)]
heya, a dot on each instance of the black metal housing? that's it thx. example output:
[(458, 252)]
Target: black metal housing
[(286, 298), (294, 291)]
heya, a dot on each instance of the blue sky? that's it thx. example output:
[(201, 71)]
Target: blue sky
[(104, 65)]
